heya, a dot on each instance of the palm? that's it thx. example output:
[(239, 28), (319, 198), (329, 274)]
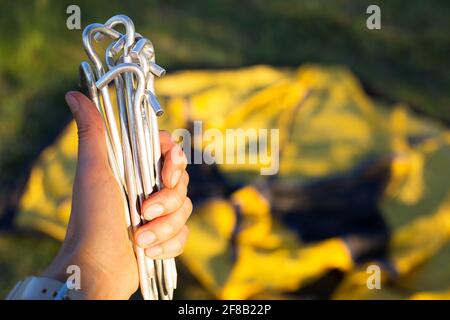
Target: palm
[(97, 194)]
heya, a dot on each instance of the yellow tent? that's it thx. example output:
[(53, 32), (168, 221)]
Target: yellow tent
[(240, 244)]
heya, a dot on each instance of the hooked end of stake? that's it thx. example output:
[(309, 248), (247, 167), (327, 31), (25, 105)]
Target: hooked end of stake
[(82, 79), (98, 37)]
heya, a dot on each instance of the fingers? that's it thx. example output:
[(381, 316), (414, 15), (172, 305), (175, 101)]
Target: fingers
[(167, 200), (91, 130), (162, 229), (169, 249), (166, 141), (175, 160), (167, 210)]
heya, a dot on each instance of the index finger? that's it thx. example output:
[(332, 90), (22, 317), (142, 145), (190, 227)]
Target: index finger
[(166, 142), (175, 161)]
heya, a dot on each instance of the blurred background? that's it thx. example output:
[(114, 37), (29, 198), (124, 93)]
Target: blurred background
[(365, 151)]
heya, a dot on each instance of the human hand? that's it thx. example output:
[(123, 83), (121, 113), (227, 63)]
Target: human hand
[(97, 239)]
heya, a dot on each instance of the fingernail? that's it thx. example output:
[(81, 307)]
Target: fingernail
[(146, 238), (178, 156), (153, 251), (182, 155), (175, 178), (72, 102), (153, 211)]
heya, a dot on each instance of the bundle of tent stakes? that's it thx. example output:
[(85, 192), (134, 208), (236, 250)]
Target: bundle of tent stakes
[(134, 151)]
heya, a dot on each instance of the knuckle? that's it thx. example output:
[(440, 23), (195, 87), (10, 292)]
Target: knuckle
[(185, 159), (178, 200), (182, 158), (178, 245), (186, 177), (189, 205), (91, 131), (169, 230), (179, 250)]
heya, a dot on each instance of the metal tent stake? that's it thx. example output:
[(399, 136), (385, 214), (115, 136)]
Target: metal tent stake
[(134, 151)]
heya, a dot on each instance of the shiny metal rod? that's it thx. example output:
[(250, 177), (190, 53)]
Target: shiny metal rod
[(134, 150)]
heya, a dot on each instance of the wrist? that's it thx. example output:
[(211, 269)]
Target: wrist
[(93, 282)]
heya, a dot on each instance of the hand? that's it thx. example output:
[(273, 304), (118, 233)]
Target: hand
[(97, 239)]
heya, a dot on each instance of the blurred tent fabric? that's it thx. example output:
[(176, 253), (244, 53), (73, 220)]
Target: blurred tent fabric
[(360, 183)]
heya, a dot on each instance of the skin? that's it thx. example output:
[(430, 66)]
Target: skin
[(97, 239)]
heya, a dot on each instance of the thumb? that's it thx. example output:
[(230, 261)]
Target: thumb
[(91, 129)]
